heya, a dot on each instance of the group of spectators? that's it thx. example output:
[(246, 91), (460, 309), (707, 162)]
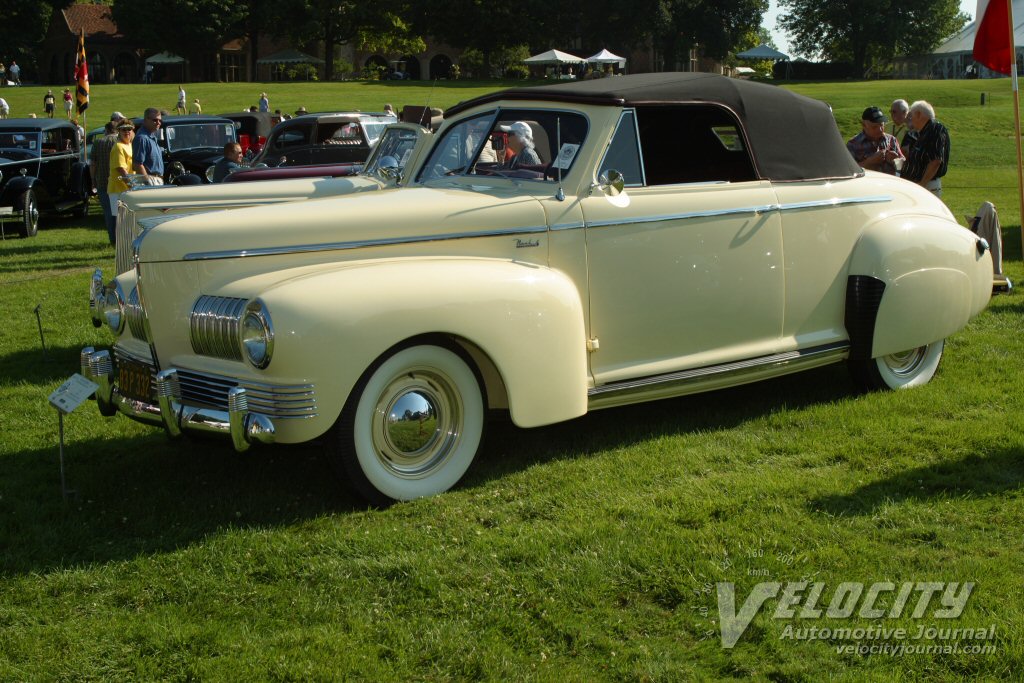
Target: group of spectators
[(123, 151), (916, 147), (10, 74)]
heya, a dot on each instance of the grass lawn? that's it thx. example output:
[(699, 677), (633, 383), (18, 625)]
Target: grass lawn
[(582, 551)]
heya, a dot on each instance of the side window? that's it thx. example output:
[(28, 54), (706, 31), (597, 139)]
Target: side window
[(295, 136), (692, 143), (623, 153), (534, 144)]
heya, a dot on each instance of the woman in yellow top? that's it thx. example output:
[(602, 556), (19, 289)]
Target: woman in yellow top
[(120, 163)]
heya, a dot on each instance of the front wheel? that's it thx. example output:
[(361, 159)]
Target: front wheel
[(898, 370), (29, 214), (411, 427)]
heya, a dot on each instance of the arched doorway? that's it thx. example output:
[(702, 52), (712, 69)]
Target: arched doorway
[(125, 69), (440, 67), (97, 68), (412, 67), (375, 63)]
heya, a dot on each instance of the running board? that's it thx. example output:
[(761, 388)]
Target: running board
[(714, 376)]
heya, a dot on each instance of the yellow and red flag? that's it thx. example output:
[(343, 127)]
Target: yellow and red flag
[(82, 75)]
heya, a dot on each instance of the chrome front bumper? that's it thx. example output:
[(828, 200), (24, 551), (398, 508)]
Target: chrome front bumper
[(244, 427)]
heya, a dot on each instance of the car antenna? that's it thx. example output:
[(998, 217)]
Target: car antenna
[(426, 109), (560, 193)]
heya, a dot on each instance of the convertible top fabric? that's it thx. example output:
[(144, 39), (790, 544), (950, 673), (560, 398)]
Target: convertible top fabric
[(791, 137)]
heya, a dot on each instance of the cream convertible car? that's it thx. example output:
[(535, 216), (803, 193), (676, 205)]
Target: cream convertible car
[(681, 233)]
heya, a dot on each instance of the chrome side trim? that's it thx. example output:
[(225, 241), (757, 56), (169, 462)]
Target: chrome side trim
[(715, 376), (836, 201), (752, 210), (359, 244), (567, 226), (280, 401)]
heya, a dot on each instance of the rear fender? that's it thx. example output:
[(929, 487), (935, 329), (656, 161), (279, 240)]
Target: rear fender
[(526, 319), (933, 275), (15, 186)]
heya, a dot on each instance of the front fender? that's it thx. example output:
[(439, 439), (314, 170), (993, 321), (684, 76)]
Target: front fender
[(528, 320), (15, 186), (933, 275)]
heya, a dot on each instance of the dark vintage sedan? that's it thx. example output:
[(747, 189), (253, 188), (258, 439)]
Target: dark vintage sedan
[(194, 142), (41, 172), (324, 139)]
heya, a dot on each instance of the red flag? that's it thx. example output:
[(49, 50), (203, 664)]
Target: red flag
[(992, 43), (82, 75)]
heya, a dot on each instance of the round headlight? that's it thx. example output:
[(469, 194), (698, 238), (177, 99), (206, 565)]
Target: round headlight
[(257, 334), (113, 307)]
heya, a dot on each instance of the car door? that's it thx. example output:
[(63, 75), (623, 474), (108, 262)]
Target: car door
[(685, 266), (293, 144), (55, 166)]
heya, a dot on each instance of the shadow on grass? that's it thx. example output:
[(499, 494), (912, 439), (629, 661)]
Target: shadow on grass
[(509, 448), (143, 495), (974, 475), (35, 367), (147, 494)]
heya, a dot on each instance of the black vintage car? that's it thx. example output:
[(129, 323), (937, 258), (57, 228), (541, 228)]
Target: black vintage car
[(196, 142), (253, 128), (329, 138), (41, 172)]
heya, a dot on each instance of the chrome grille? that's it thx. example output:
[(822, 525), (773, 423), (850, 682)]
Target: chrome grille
[(135, 315), (273, 400), (215, 326), (127, 230)]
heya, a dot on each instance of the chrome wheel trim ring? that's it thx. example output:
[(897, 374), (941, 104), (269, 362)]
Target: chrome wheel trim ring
[(431, 444), (906, 363), (33, 211)]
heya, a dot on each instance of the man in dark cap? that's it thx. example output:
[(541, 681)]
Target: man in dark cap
[(873, 148)]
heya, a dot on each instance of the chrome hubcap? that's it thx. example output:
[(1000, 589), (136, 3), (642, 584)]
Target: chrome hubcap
[(417, 423), (906, 362), (33, 213)]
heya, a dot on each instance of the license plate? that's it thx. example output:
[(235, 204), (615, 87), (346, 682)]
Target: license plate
[(133, 380)]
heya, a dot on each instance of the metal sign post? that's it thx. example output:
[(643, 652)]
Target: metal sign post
[(68, 396)]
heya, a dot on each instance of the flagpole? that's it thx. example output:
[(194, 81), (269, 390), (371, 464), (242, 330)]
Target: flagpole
[(1016, 115)]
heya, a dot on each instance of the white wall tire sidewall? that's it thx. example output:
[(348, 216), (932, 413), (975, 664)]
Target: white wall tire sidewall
[(451, 471), (922, 374)]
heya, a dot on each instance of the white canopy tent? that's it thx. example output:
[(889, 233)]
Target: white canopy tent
[(606, 57), (165, 58), (553, 58), (763, 52)]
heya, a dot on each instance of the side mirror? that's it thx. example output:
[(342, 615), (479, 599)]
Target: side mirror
[(611, 183)]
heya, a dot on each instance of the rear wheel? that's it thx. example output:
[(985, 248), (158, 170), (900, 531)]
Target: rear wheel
[(26, 204), (411, 427), (898, 370)]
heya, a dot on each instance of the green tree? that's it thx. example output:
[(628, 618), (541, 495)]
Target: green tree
[(750, 40), (715, 27), (868, 34), (181, 26), (23, 25)]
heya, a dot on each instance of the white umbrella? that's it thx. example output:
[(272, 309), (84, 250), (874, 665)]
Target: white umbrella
[(553, 57)]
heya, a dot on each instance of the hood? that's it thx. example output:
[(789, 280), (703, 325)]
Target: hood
[(245, 194), (371, 218)]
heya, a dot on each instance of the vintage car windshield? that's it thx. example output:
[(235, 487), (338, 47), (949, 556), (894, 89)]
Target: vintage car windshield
[(19, 142), (375, 127), (193, 135), (395, 149), (546, 142)]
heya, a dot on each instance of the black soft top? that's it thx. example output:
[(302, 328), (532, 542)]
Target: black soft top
[(34, 125), (792, 137)]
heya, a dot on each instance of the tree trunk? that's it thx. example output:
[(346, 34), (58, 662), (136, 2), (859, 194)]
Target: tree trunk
[(329, 39)]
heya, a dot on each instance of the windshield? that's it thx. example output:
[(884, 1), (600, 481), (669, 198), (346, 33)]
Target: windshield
[(27, 142), (192, 135), (395, 149), (454, 153), (374, 128)]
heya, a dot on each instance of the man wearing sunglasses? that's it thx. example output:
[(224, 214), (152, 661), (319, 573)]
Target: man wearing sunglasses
[(147, 156)]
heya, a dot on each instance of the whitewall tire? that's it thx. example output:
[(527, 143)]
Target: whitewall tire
[(411, 427), (903, 370)]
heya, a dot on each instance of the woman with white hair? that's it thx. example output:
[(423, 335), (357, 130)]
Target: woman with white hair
[(520, 141)]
